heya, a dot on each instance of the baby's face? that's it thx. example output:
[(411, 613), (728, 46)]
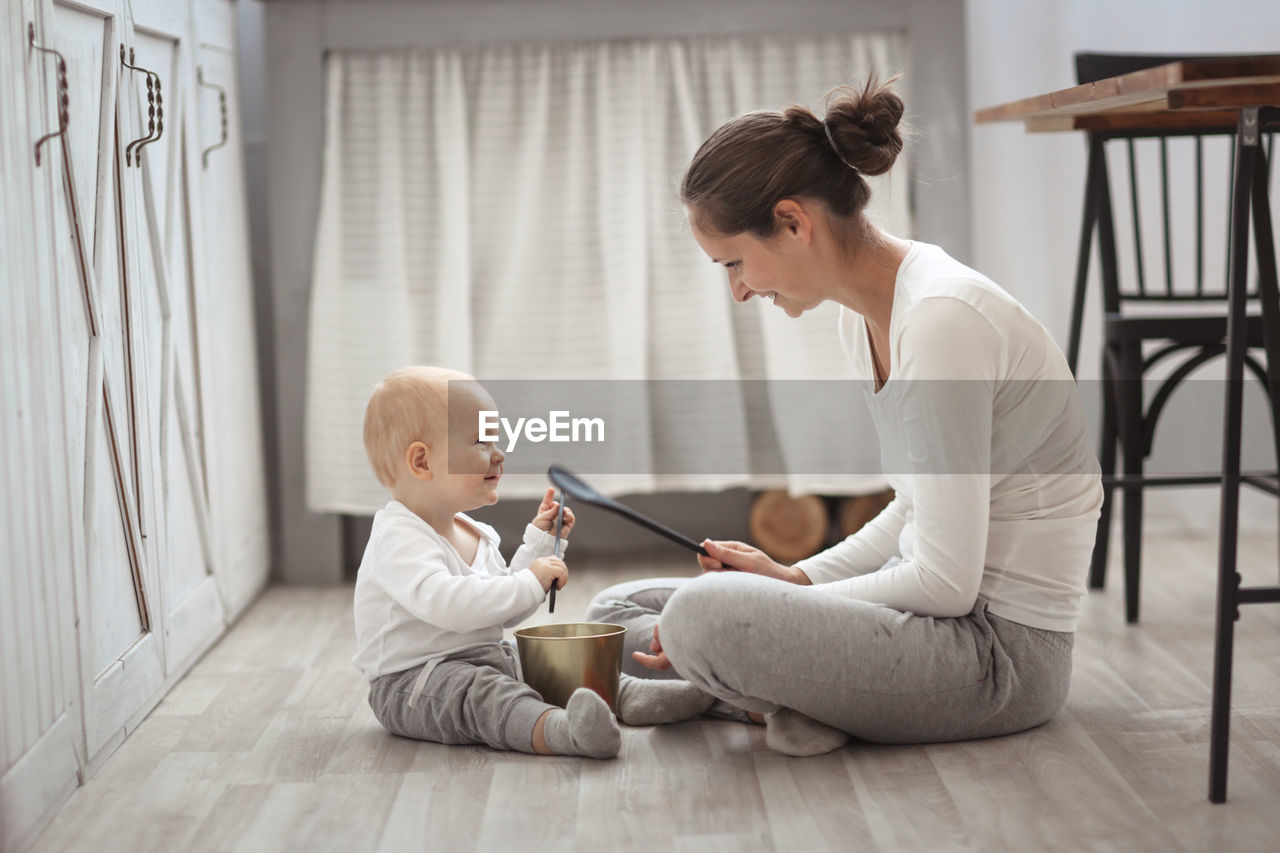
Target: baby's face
[(474, 466)]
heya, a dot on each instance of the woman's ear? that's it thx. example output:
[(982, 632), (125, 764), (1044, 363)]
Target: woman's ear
[(792, 216), (417, 458)]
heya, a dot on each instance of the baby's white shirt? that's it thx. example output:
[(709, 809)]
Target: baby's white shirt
[(417, 599)]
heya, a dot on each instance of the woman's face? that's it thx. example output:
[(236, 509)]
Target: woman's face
[(775, 268)]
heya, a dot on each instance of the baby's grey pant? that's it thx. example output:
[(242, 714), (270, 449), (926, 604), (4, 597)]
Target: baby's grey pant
[(475, 696), (875, 672)]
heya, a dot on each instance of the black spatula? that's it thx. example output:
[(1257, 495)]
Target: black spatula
[(574, 486)]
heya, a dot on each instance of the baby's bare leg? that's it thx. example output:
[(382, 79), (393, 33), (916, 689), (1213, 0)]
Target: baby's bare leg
[(540, 737)]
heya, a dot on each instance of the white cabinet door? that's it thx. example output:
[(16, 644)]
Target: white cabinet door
[(120, 654), (133, 522), (157, 92), (40, 536), (228, 350)]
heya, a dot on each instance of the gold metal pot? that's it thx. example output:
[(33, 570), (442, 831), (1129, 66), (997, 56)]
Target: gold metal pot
[(558, 659)]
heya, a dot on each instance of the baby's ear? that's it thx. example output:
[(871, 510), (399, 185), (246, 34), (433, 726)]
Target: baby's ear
[(417, 457)]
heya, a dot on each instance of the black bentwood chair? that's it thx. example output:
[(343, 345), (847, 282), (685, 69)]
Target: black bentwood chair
[(1174, 322)]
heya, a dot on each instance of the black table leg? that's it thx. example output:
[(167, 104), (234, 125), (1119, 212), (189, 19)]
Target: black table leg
[(1247, 139), (1092, 191)]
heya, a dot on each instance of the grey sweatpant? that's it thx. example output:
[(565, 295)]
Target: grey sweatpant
[(475, 696), (875, 672)]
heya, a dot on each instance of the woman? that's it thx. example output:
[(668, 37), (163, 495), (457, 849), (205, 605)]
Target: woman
[(950, 615)]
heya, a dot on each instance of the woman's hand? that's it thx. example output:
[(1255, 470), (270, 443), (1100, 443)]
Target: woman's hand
[(739, 556), (658, 658), (546, 516)]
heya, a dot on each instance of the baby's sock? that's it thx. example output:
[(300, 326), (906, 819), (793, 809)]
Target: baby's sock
[(792, 733), (653, 702), (585, 727)]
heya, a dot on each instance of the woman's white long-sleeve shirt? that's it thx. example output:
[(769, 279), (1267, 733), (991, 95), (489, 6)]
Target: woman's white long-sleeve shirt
[(416, 599), (983, 438)]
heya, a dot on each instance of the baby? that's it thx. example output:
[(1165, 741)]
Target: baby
[(433, 593)]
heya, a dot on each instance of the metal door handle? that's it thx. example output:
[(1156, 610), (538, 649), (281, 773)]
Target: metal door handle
[(155, 111), (64, 101), (222, 107)]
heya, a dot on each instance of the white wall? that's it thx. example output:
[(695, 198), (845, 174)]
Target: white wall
[(1028, 188)]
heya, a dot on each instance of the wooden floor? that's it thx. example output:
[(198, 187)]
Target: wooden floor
[(269, 745)]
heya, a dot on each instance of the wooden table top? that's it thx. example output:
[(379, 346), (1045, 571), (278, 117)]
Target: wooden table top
[(1205, 92)]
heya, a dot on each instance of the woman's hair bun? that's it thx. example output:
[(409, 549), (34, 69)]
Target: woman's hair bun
[(864, 125), (750, 163)]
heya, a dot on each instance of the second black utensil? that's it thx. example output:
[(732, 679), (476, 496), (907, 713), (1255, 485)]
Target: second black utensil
[(556, 553)]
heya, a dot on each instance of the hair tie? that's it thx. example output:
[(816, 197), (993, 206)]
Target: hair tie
[(836, 148)]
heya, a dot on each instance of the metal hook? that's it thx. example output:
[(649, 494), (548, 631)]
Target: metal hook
[(222, 106), (155, 110), (64, 101), (137, 152)]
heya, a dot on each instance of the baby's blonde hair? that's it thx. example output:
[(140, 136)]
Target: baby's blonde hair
[(410, 404)]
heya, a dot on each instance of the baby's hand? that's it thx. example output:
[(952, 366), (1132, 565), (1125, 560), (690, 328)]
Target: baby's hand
[(546, 517), (550, 570)]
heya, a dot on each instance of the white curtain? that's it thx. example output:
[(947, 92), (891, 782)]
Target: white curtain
[(512, 211)]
